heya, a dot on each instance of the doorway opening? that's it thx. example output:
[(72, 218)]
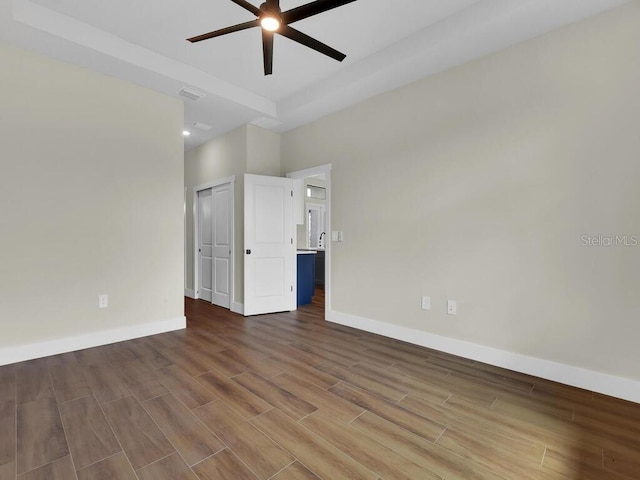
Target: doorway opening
[(315, 232)]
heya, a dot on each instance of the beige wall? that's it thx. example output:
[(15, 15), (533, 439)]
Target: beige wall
[(90, 202), (248, 149), (263, 151), (478, 184)]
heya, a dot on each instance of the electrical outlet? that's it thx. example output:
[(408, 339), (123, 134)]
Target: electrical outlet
[(103, 300), (452, 307), (426, 303)]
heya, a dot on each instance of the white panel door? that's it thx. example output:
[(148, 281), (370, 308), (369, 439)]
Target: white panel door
[(205, 244), (221, 246), (270, 254)]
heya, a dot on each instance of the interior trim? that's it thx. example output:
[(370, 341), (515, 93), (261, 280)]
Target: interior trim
[(619, 387), (79, 342), (73, 30)]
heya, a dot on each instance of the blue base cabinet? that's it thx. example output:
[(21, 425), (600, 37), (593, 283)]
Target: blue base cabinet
[(306, 277)]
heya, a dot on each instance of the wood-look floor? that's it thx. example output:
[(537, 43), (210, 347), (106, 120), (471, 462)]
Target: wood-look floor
[(291, 397)]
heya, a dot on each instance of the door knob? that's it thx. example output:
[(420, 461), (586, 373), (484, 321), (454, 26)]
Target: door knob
[(248, 252)]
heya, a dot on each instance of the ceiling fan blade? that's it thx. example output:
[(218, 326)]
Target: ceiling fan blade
[(311, 9), (247, 6), (267, 51), (224, 31), (310, 42)]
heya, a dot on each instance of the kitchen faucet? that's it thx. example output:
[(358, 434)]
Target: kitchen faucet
[(320, 239)]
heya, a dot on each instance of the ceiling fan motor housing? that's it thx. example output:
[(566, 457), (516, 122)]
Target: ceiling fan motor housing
[(271, 10)]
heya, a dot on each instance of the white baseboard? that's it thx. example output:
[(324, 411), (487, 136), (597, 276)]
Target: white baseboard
[(619, 387), (237, 308), (190, 293), (54, 347)]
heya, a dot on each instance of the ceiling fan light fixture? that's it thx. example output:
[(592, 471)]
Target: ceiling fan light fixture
[(270, 23)]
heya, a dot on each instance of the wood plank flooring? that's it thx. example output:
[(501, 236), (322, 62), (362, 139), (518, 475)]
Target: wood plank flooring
[(291, 397)]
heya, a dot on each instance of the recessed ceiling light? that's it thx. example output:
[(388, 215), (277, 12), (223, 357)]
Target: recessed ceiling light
[(186, 133)]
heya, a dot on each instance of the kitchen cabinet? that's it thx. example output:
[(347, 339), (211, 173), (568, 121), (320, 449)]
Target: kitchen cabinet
[(306, 276)]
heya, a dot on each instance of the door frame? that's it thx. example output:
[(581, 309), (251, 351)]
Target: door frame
[(231, 181), (312, 172), (187, 292)]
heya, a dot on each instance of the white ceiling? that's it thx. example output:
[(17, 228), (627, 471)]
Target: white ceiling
[(388, 44)]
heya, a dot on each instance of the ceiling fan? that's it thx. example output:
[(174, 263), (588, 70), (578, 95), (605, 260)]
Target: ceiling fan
[(273, 20)]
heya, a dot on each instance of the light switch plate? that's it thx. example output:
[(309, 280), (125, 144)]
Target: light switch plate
[(334, 236)]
